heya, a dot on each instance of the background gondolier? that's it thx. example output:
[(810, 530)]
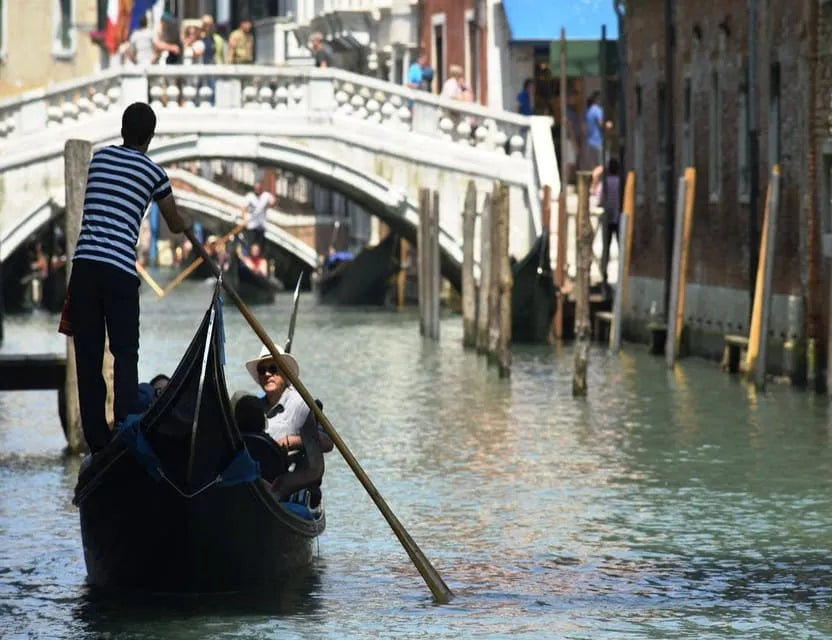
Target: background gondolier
[(257, 205)]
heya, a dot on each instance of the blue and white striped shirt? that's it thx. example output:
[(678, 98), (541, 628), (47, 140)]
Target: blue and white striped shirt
[(120, 184)]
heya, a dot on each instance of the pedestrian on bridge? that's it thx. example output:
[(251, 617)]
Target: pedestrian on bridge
[(104, 286)]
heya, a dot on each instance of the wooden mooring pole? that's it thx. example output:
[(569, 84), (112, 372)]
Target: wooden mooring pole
[(625, 240), (674, 338), (2, 306), (421, 258), (560, 259), (485, 276), (76, 163), (469, 287), (435, 267), (583, 245), (429, 268), (762, 302), (673, 299), (499, 338)]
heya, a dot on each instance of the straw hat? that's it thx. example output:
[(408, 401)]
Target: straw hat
[(265, 356)]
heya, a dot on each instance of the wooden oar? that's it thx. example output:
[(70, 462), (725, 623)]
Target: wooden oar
[(192, 267), (147, 278), (441, 593)]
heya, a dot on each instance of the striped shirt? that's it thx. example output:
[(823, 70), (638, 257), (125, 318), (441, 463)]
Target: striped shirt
[(120, 184)]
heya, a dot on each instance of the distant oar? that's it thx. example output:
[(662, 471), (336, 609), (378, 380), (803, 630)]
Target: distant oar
[(441, 593), (147, 278), (294, 317), (193, 266)]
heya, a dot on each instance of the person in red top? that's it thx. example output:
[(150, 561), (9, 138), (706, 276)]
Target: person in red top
[(255, 260)]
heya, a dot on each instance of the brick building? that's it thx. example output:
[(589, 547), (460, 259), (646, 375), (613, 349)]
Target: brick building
[(453, 32), (712, 88)]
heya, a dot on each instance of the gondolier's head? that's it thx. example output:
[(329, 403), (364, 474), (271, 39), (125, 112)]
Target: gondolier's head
[(263, 365), (138, 124)]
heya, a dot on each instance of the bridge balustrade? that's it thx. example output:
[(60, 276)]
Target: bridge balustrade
[(326, 91)]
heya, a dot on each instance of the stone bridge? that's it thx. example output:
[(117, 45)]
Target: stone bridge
[(374, 141)]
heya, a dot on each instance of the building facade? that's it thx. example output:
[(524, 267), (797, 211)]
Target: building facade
[(725, 76), (43, 41), (454, 32)]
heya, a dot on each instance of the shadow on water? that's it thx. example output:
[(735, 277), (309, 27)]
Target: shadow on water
[(101, 612)]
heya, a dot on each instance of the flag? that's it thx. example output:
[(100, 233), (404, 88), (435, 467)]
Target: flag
[(141, 7), (111, 35), (119, 13)]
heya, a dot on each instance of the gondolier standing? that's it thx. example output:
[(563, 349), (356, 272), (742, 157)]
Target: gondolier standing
[(104, 286), (254, 214)]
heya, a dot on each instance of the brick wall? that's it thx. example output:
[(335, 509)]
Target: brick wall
[(456, 27), (712, 42)]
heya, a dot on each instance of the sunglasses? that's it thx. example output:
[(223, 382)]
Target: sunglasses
[(264, 369)]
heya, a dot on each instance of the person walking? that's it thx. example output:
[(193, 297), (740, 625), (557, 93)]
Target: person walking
[(324, 58), (214, 45), (104, 286), (525, 99), (611, 201), (241, 44)]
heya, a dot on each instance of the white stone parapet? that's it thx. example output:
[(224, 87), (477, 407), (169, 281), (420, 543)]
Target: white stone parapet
[(343, 129), (324, 91)]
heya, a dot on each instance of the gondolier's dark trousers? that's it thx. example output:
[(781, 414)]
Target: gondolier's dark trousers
[(104, 296), (258, 235)]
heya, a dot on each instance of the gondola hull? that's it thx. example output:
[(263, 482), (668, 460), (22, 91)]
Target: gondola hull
[(361, 281), (533, 298), (140, 533), (253, 288), (177, 503)]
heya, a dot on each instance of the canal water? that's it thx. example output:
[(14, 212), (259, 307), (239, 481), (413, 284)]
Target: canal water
[(668, 504)]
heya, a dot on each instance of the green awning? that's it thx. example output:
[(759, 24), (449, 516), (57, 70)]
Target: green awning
[(583, 57)]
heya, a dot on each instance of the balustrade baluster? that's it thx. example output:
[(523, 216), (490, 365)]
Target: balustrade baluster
[(250, 95), (265, 95), (282, 98)]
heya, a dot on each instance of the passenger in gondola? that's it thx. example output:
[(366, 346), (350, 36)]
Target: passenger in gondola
[(221, 255), (159, 382), (149, 391), (286, 413), (334, 258), (256, 261)]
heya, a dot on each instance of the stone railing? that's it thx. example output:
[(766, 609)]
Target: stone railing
[(329, 101), (323, 91), (61, 103)]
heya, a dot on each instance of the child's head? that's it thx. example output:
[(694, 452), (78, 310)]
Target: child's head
[(612, 167)]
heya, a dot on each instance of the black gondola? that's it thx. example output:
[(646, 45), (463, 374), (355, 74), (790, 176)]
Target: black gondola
[(201, 272), (364, 280), (54, 289), (177, 502), (253, 288), (533, 294)]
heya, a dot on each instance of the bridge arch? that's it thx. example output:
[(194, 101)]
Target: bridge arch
[(376, 195)]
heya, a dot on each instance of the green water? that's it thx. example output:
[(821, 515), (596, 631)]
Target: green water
[(667, 504)]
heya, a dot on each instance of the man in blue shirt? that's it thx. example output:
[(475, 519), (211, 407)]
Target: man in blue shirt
[(595, 130), (415, 75), (525, 99)]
